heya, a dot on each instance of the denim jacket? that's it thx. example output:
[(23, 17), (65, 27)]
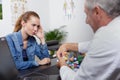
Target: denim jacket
[(15, 44)]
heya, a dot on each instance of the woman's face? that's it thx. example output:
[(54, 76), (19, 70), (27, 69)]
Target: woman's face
[(31, 26)]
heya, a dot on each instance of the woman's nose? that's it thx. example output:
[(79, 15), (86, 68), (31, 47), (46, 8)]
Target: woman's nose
[(36, 28)]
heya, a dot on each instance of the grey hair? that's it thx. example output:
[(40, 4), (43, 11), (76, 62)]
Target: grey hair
[(111, 7)]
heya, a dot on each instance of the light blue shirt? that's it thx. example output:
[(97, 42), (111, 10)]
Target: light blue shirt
[(33, 48), (102, 60)]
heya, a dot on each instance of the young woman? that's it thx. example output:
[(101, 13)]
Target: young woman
[(23, 45)]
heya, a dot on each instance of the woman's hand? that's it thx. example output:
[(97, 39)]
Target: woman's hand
[(44, 61), (40, 35)]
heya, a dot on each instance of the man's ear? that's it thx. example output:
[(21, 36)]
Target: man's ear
[(98, 12)]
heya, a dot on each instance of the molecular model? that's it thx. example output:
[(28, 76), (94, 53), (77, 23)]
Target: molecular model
[(72, 60)]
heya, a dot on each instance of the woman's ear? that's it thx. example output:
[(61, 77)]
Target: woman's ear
[(23, 23)]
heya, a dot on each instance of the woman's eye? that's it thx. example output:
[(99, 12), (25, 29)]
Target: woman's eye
[(33, 24), (38, 26)]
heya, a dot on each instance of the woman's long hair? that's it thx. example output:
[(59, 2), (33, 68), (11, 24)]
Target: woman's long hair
[(24, 17)]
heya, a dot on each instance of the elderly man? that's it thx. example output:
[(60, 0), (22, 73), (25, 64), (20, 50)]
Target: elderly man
[(102, 60)]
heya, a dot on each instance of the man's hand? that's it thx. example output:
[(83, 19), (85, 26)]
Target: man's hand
[(61, 62), (61, 51)]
